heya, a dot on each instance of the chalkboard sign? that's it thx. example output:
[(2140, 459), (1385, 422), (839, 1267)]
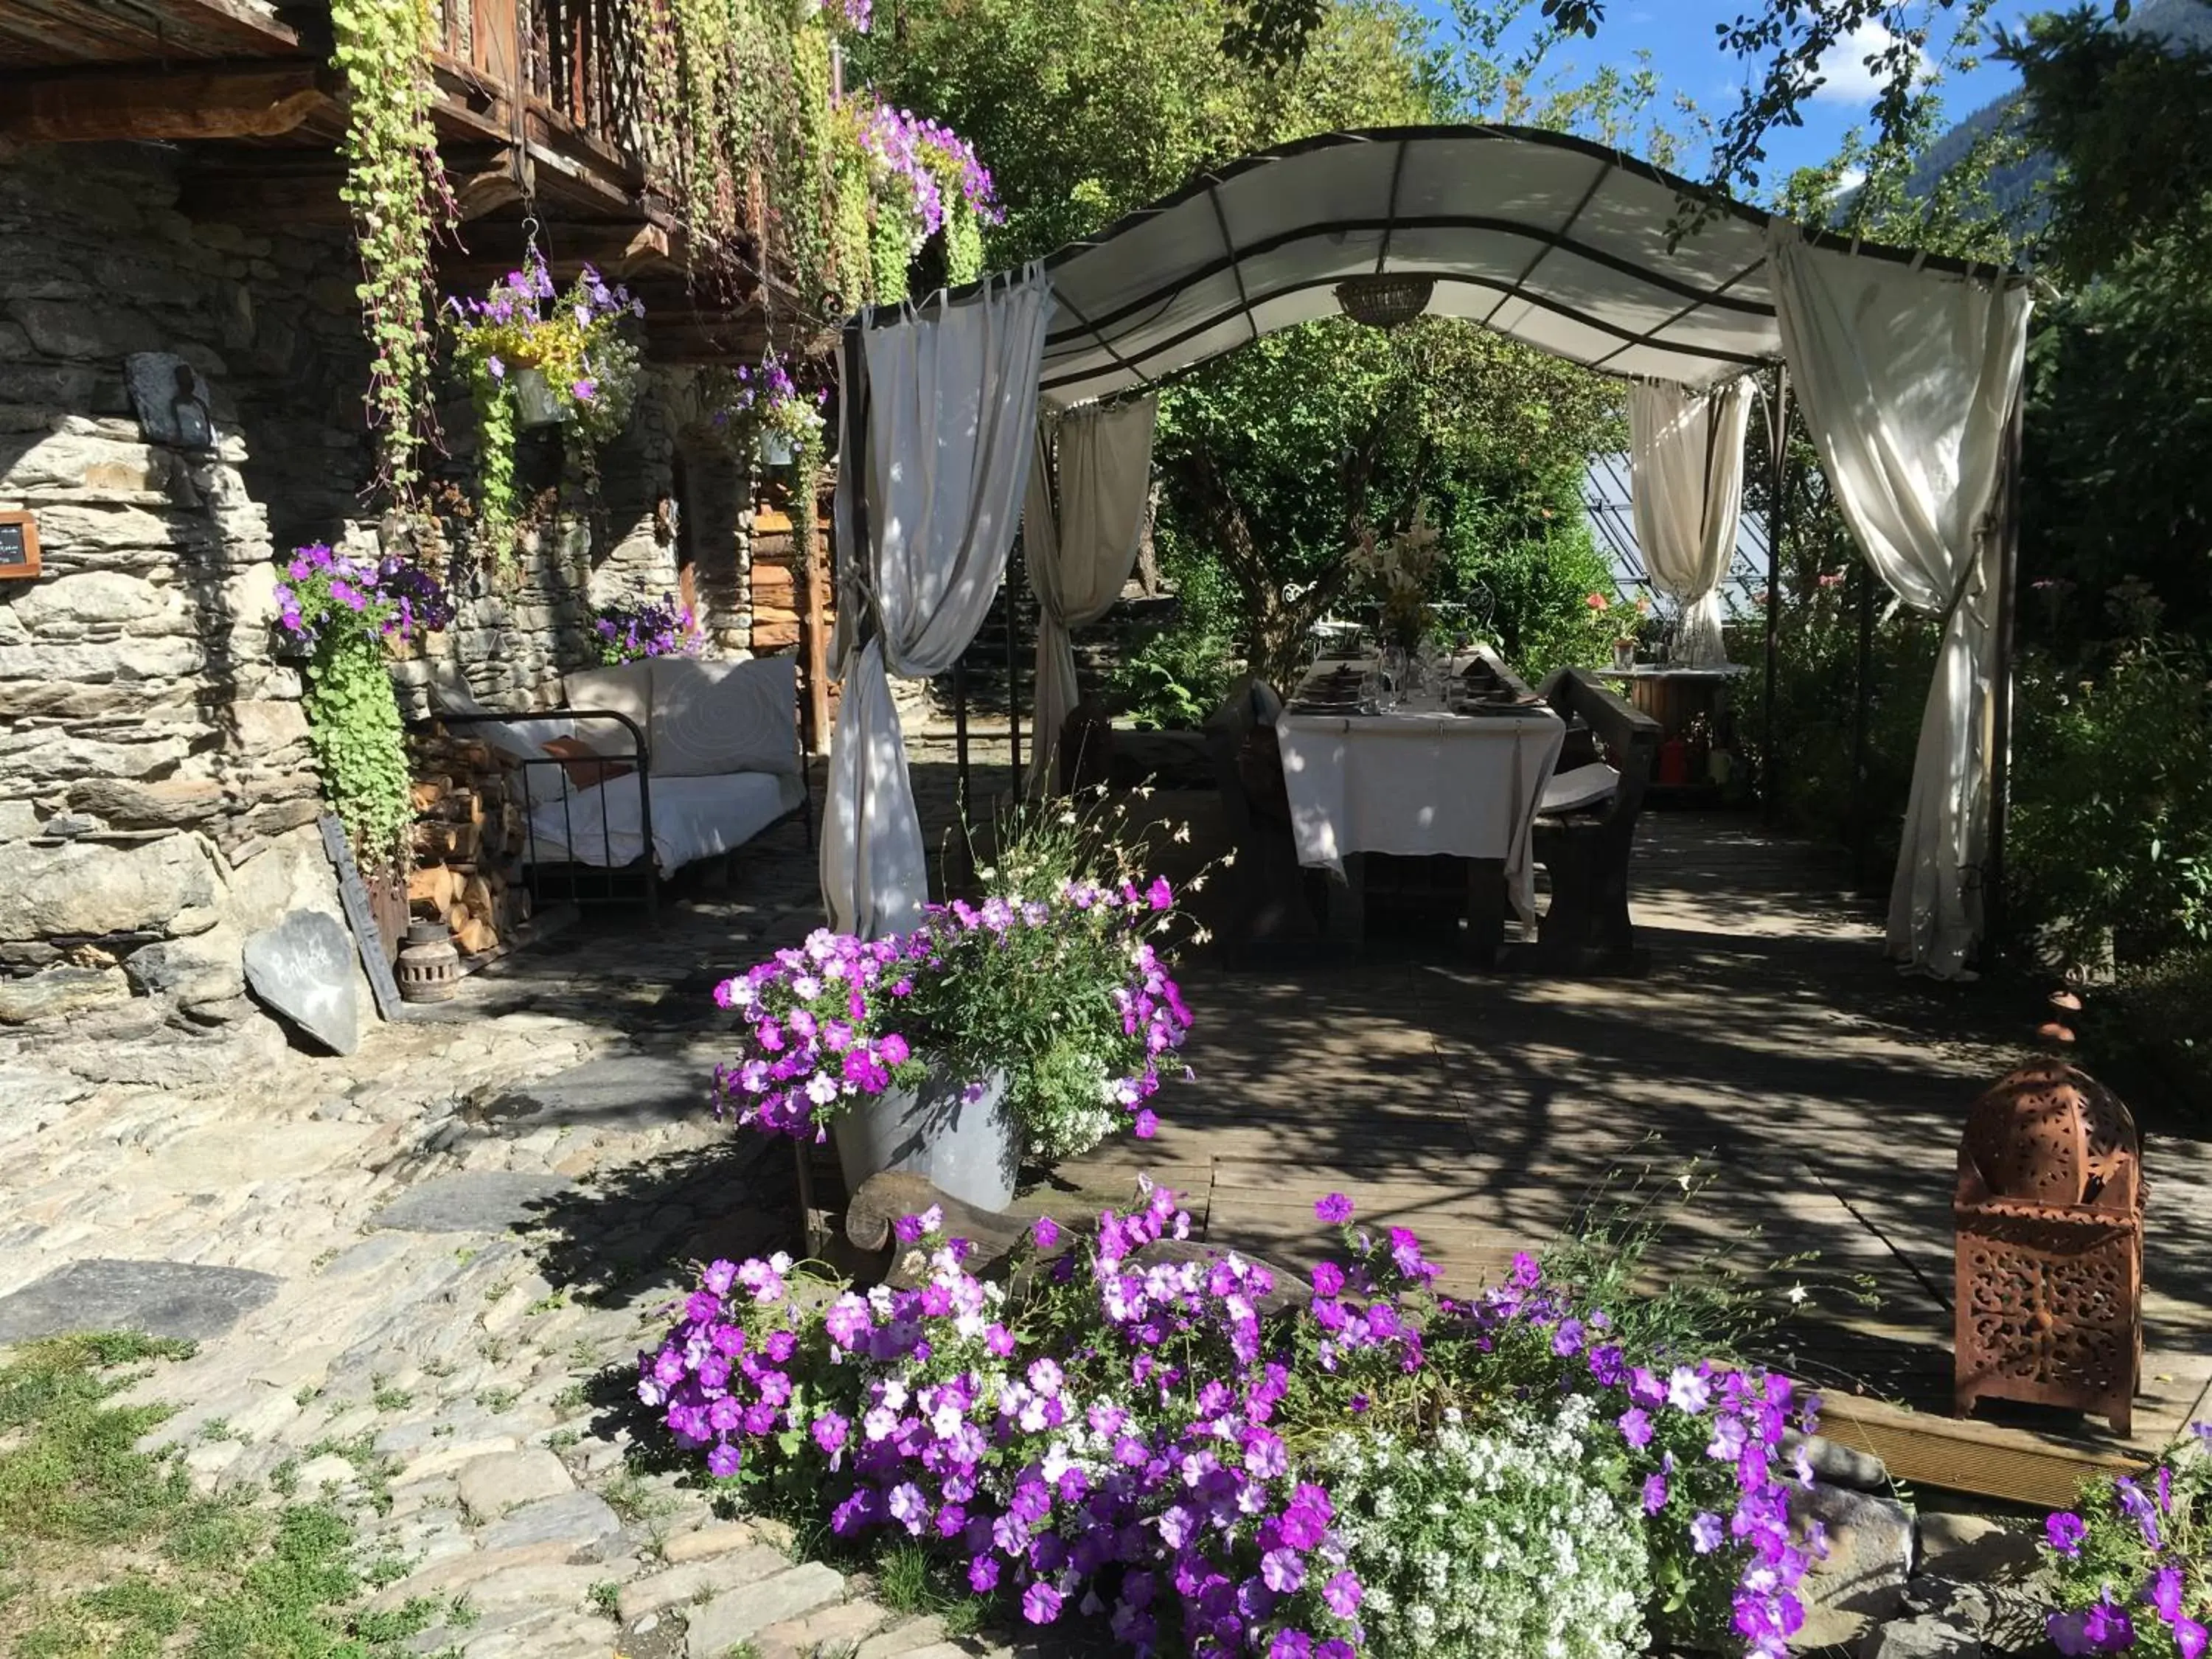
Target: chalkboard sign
[(18, 545)]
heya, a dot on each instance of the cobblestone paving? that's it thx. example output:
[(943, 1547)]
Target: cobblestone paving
[(473, 1226)]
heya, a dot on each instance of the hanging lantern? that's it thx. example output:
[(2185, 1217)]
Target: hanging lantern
[(1384, 301)]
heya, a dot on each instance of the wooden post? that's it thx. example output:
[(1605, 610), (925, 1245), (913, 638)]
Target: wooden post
[(1778, 444), (1995, 913), (814, 621)]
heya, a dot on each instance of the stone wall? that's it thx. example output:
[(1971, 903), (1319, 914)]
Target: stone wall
[(153, 747), (152, 751)]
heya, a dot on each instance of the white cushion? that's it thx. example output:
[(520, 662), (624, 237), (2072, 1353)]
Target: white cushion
[(521, 740), (625, 687), (1585, 785), (710, 719)]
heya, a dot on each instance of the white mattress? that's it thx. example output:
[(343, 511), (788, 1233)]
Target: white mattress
[(693, 819)]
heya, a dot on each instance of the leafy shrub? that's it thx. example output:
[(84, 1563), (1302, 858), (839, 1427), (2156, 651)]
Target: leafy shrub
[(1524, 568), (2112, 826)]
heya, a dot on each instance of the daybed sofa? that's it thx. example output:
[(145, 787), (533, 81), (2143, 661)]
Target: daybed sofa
[(691, 758)]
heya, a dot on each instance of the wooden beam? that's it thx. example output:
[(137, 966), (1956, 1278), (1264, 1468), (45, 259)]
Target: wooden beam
[(222, 101), (620, 250)]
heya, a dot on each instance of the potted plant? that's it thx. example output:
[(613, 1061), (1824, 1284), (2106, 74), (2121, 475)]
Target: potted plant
[(1037, 1023), (534, 357)]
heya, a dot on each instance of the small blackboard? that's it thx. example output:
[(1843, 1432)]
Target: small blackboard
[(18, 545)]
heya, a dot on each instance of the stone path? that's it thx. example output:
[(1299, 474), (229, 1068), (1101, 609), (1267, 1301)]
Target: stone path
[(419, 1277)]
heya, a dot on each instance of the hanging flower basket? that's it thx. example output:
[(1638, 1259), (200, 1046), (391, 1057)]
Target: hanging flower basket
[(776, 449), (535, 404)]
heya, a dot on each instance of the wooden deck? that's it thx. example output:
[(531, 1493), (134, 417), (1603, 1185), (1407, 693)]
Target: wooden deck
[(1819, 1094)]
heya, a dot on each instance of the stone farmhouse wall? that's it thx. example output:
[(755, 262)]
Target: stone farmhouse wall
[(157, 796)]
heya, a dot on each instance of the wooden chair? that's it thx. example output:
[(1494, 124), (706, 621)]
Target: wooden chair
[(1265, 884), (1587, 850), (1084, 759)]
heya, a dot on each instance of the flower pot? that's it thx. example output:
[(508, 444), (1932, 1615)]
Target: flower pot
[(1624, 654), (535, 404), (969, 1149), (775, 450)]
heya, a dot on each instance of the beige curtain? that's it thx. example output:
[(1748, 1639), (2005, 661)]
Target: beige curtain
[(1908, 378), (1080, 550), (1686, 489)]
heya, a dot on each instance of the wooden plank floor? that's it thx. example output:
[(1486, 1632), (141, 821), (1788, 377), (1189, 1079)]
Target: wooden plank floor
[(1819, 1094)]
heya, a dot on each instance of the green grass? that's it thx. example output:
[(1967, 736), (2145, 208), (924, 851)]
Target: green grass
[(909, 1580), (109, 1553)]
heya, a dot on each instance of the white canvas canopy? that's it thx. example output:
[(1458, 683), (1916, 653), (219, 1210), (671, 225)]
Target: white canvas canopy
[(1909, 367)]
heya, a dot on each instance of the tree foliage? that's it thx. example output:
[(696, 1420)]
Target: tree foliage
[(1089, 109), (1282, 455), (2119, 421)]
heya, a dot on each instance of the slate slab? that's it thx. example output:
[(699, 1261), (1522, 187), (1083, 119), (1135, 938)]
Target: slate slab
[(179, 1299), (302, 968), (616, 1091), (474, 1201)]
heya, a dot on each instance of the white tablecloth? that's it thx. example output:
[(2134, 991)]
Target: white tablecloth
[(1419, 780)]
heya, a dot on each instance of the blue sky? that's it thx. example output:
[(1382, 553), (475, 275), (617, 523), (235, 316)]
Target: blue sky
[(1678, 35)]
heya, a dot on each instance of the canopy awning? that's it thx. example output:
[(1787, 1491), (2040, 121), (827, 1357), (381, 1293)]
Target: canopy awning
[(1558, 242)]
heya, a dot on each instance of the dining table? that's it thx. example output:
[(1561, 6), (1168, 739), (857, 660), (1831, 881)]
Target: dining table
[(1457, 767)]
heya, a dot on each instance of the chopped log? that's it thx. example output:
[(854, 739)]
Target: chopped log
[(475, 936), (775, 636), (477, 893), (439, 843), (426, 793)]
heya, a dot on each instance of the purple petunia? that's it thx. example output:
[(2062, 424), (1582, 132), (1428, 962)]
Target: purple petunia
[(1335, 1209)]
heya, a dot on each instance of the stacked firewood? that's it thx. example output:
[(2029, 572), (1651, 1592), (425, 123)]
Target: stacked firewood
[(469, 835)]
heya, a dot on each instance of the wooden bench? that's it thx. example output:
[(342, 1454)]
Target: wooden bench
[(1587, 851)]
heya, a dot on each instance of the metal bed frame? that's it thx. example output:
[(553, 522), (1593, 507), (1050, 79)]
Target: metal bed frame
[(563, 882)]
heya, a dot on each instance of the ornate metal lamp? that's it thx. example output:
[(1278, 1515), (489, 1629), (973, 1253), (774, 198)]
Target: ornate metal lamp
[(1384, 301), (2049, 1210)]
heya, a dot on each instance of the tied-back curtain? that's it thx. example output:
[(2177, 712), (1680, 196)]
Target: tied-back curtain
[(1080, 555), (1685, 472), (940, 412), (1909, 379)]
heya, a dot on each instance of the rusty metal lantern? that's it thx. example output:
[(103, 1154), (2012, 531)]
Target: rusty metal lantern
[(2049, 1209)]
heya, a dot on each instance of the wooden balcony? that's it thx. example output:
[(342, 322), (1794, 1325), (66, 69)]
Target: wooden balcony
[(536, 117)]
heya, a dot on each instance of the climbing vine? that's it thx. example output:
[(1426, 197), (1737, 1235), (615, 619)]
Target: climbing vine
[(336, 610), (396, 188)]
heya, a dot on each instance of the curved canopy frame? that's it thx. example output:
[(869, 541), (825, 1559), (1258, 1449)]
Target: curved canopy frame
[(1561, 243)]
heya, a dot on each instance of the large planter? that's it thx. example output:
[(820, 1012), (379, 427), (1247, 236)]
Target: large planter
[(967, 1149)]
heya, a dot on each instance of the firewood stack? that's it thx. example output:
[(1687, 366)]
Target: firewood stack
[(469, 837)]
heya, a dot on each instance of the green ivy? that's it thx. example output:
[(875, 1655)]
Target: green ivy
[(354, 728), (497, 511), (396, 187)]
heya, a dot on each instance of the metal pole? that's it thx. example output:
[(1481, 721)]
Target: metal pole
[(1864, 580), (1778, 446), (960, 730), (1013, 687), (1995, 913)]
